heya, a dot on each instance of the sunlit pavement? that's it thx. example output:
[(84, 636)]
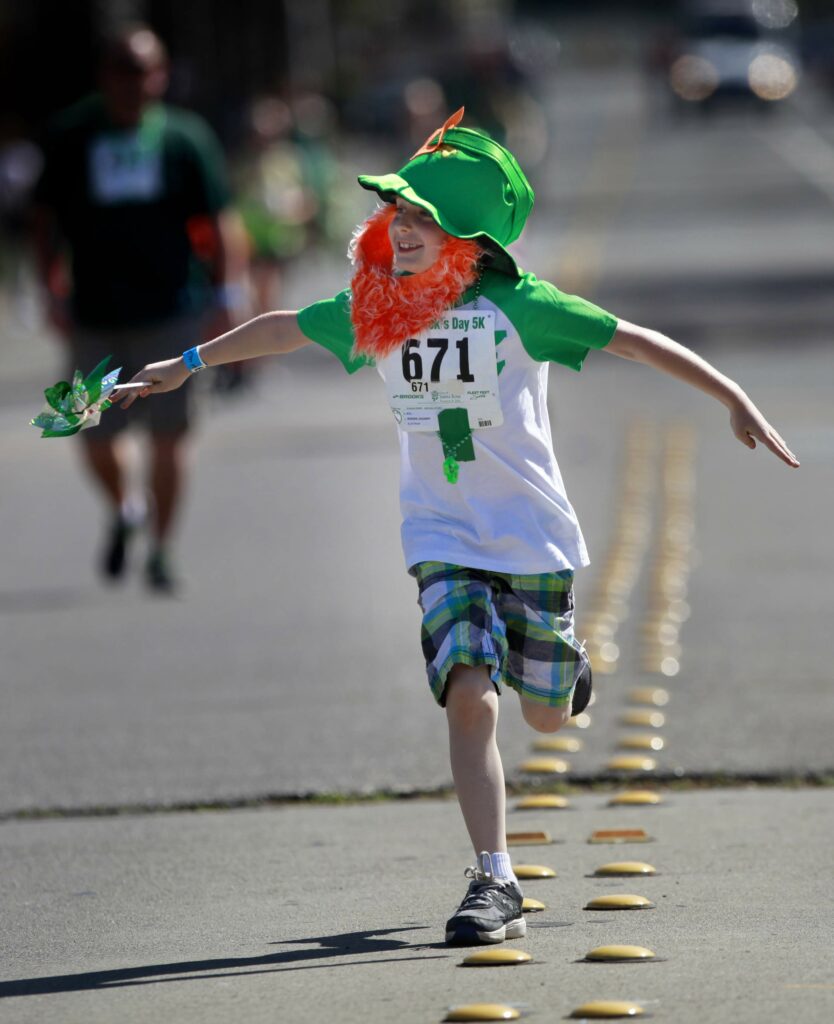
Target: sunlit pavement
[(324, 913)]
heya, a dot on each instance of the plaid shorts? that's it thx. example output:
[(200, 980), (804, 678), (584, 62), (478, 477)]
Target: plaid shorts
[(522, 626)]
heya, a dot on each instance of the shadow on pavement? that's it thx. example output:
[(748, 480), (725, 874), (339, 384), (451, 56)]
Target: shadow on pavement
[(346, 944)]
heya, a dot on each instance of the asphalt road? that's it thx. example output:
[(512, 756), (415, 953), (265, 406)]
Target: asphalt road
[(291, 663), (313, 914)]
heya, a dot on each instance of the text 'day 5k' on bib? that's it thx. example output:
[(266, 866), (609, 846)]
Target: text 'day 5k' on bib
[(451, 365)]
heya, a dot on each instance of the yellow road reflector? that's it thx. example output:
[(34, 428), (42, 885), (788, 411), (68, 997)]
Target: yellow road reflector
[(617, 608), (632, 797), (581, 721), (559, 744), (670, 666), (630, 763), (665, 663), (496, 958), (657, 652), (620, 953), (608, 1008), (655, 695), (544, 766), (531, 906), (533, 871), (661, 630), (622, 868), (639, 716), (678, 610), (619, 835), (542, 802), (529, 838), (618, 901), (641, 743), (483, 1011)]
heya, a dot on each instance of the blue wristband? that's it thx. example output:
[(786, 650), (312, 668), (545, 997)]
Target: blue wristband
[(192, 360)]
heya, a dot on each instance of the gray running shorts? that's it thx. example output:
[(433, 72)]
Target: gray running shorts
[(132, 348)]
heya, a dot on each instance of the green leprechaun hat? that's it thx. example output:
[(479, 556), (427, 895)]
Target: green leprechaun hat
[(471, 186)]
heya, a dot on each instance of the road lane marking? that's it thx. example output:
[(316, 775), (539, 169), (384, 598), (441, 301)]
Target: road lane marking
[(608, 604), (661, 650)]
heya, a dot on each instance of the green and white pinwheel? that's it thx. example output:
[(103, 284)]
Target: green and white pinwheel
[(79, 405)]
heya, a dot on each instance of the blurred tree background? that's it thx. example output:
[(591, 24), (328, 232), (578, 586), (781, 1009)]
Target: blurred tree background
[(308, 77), (223, 54)]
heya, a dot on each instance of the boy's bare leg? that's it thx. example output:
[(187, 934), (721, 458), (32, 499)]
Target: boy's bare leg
[(472, 714), (491, 911)]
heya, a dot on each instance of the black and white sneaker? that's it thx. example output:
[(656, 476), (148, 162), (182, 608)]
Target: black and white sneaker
[(491, 909)]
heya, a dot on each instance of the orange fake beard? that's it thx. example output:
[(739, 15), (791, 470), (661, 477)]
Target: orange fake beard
[(387, 310)]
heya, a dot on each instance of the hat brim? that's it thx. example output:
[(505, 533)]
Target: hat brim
[(389, 186)]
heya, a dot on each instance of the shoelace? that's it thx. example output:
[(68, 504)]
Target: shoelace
[(485, 888), (482, 872)]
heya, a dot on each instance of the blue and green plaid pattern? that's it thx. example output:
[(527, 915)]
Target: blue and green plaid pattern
[(521, 626)]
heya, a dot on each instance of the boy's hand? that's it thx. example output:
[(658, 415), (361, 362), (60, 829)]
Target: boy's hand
[(164, 376), (750, 426)]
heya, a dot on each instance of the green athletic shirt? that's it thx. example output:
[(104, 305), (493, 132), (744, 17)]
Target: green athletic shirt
[(123, 199), (508, 510)]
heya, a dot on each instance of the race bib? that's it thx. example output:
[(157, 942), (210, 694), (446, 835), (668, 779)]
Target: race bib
[(125, 168), (451, 365)]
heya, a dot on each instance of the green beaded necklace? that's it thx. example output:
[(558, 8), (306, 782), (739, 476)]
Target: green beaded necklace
[(454, 431)]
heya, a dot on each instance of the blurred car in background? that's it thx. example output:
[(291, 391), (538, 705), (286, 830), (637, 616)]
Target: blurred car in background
[(733, 51), (818, 50)]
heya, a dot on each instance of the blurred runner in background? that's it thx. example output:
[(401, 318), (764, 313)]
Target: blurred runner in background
[(276, 203), (21, 162), (135, 245)]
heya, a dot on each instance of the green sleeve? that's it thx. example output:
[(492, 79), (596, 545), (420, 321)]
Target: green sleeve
[(327, 323), (556, 327)]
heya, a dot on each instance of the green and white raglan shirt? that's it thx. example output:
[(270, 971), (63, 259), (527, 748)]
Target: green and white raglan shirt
[(508, 510)]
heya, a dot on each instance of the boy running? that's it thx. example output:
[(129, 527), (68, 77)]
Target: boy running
[(462, 339)]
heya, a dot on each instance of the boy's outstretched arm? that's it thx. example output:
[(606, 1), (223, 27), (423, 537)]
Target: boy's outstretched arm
[(266, 335), (656, 350)]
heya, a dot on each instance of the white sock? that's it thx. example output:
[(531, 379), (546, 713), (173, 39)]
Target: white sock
[(133, 511), (502, 867)]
